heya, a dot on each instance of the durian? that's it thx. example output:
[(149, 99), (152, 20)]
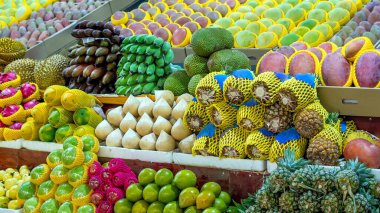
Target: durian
[(11, 50), (24, 68), (49, 72)]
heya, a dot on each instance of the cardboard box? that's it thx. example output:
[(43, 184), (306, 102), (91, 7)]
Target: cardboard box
[(350, 101)]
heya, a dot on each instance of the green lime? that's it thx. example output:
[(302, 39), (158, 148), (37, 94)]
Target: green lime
[(205, 199), (156, 207), (220, 204), (140, 206), (168, 193), (212, 186), (146, 176), (172, 207), (188, 197), (163, 177), (211, 210), (123, 206), (134, 192), (150, 192), (192, 209), (225, 197), (184, 179)]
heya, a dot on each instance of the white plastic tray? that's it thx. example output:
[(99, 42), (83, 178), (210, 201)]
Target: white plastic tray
[(11, 210), (41, 146), (17, 144), (134, 154)]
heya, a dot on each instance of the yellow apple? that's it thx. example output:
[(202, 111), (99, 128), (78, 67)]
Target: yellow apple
[(6, 176), (25, 178), (10, 171), (13, 192), (24, 172), (14, 204), (17, 175), (2, 191), (2, 172), (4, 202), (10, 182), (23, 167)]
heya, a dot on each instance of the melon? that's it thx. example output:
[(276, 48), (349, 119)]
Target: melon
[(335, 70), (367, 69), (273, 62), (302, 62)]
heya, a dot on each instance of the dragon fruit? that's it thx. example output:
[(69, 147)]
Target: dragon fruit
[(118, 165), (105, 207), (7, 92), (106, 185), (27, 89), (16, 125), (95, 169), (30, 104), (10, 110), (106, 174), (2, 125), (114, 194), (94, 182), (10, 76), (97, 197)]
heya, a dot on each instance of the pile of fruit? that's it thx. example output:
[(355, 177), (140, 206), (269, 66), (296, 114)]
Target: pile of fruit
[(56, 118), (16, 103), (11, 180), (94, 59), (110, 184), (147, 125), (61, 184), (10, 50), (356, 63), (297, 186), (366, 22), (161, 191), (144, 66), (270, 23), (43, 22), (213, 53)]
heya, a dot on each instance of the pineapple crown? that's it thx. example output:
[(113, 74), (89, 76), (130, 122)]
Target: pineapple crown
[(282, 76), (220, 78), (290, 162), (371, 200), (288, 135), (207, 131), (365, 174), (307, 78), (243, 73)]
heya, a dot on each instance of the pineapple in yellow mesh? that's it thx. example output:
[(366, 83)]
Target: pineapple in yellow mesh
[(207, 142), (210, 88), (250, 116), (265, 87), (232, 143), (287, 139), (237, 87), (258, 144), (222, 115), (298, 92), (195, 116), (346, 128), (75, 98)]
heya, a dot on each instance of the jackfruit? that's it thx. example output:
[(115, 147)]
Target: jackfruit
[(195, 64), (206, 41), (228, 60), (177, 83), (11, 50), (194, 82), (49, 72), (24, 68)]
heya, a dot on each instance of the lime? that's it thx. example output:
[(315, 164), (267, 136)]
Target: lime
[(225, 197), (168, 193), (123, 206), (140, 206), (172, 207), (184, 179), (146, 176), (212, 186), (211, 210), (134, 192), (163, 177), (66, 207), (47, 133), (220, 204), (150, 192), (192, 209), (51, 205), (205, 199), (188, 197), (156, 207)]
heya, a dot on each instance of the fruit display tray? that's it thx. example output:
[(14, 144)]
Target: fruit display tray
[(11, 210)]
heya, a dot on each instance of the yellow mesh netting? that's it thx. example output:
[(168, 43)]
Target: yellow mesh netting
[(74, 99), (232, 143), (296, 94), (237, 90), (65, 117), (11, 84), (296, 144), (94, 117), (360, 134), (48, 194), (355, 79), (331, 134), (346, 129), (11, 134), (42, 175), (80, 176), (251, 117), (265, 87), (195, 116), (40, 113), (53, 94), (207, 145), (80, 201), (258, 144), (15, 99), (64, 197), (208, 90), (1, 134), (59, 177), (18, 116), (367, 45), (222, 115)]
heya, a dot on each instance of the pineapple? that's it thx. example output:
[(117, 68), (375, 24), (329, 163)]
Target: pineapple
[(288, 201), (331, 203), (374, 188), (347, 182), (364, 174), (237, 87), (255, 209), (322, 151), (265, 199), (357, 204), (309, 202), (208, 90), (265, 86), (301, 180), (323, 180), (195, 116), (310, 120), (277, 119)]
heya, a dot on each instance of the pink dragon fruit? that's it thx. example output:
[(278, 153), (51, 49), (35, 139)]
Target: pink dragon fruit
[(16, 125), (107, 185), (10, 76), (130, 181), (114, 194), (30, 104), (120, 178), (97, 197), (106, 174), (7, 92), (95, 169), (27, 89), (104, 207), (2, 78), (95, 181), (118, 165), (10, 110), (2, 125)]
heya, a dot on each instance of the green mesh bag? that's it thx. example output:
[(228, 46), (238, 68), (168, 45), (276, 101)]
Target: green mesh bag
[(207, 142), (222, 115), (265, 87), (251, 116), (195, 116), (298, 92), (258, 144), (210, 88), (287, 139), (237, 87), (232, 143)]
